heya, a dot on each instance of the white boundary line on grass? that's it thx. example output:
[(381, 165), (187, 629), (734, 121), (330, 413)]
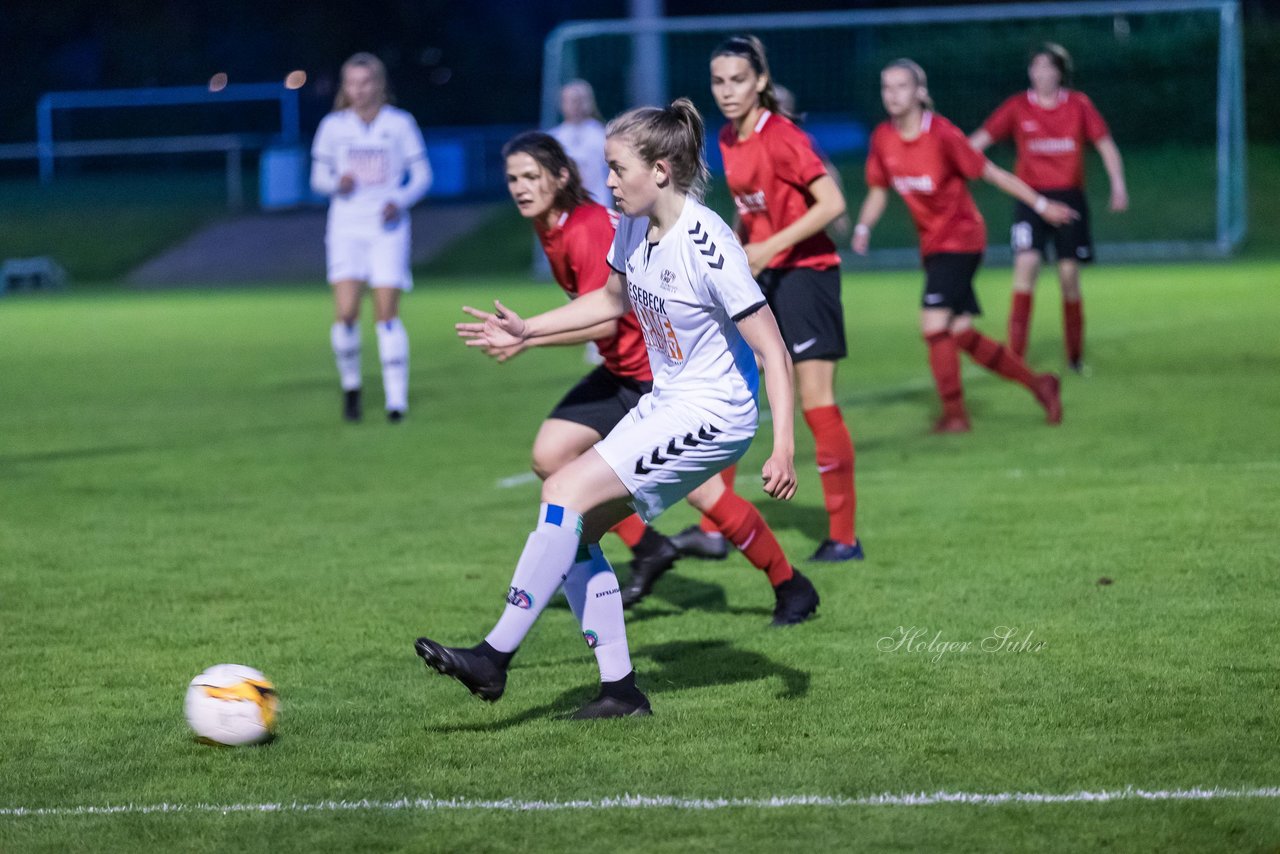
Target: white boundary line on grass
[(918, 799)]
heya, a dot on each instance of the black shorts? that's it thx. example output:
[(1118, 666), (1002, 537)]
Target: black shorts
[(600, 400), (948, 282), (806, 303), (1070, 241)]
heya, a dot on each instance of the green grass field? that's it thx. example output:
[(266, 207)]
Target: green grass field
[(177, 490)]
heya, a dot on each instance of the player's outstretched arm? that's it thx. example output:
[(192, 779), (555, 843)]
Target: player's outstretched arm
[(760, 330), (872, 209), (504, 327), (828, 205), (980, 140), (1054, 213), (504, 347), (1110, 155)]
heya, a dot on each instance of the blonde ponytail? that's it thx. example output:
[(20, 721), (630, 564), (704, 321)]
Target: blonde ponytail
[(674, 134)]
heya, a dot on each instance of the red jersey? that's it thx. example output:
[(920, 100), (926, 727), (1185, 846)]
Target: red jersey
[(769, 174), (931, 173), (1050, 141), (577, 247)]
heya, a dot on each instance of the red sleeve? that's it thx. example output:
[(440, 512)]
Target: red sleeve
[(1095, 127), (875, 173), (967, 161), (793, 156), (1000, 123), (588, 254)]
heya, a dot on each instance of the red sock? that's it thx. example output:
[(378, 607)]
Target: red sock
[(1073, 328), (630, 530), (727, 475), (944, 360), (835, 466), (1019, 322), (742, 523), (994, 356)]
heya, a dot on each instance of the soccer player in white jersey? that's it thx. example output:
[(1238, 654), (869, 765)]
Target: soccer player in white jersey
[(681, 270), (369, 158), (582, 136)]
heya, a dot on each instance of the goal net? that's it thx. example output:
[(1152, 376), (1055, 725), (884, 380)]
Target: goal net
[(1165, 74)]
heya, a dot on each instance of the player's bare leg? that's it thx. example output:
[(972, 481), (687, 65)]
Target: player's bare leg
[(1026, 269), (999, 359), (944, 362), (1072, 313), (795, 599), (580, 502), (560, 442), (393, 350), (816, 380), (344, 336)]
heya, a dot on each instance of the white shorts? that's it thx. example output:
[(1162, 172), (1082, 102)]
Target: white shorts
[(380, 258), (662, 452)]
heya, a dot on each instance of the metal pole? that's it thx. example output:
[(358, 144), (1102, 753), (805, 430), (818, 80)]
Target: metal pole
[(648, 54), (1224, 130), (551, 78), (1240, 147), (44, 138), (235, 183), (290, 121)]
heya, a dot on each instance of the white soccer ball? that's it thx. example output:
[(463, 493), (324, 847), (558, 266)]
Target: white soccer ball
[(232, 704)]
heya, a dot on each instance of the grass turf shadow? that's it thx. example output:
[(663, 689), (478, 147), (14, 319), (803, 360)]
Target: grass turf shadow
[(678, 666)]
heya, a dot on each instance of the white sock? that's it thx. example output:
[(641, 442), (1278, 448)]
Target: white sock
[(592, 591), (393, 348), (346, 352), (548, 554), (575, 581)]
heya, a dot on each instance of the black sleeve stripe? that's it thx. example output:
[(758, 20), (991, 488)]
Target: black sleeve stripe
[(747, 312)]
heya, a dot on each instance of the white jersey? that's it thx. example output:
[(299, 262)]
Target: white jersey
[(688, 290), (584, 143), (378, 155)]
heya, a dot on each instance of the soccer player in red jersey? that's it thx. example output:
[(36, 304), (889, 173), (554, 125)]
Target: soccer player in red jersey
[(1050, 125), (576, 234), (929, 162), (785, 198)]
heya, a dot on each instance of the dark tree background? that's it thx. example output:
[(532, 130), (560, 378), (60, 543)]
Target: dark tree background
[(451, 62)]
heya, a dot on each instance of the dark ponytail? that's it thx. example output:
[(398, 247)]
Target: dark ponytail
[(751, 49), (551, 156), (674, 134)]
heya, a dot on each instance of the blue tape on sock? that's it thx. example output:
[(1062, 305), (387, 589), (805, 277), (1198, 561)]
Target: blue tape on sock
[(554, 515)]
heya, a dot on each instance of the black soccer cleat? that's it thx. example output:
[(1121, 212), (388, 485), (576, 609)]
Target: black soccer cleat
[(834, 551), (395, 416), (621, 699), (646, 569), (612, 707), (481, 676), (351, 408), (797, 601), (695, 542)]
